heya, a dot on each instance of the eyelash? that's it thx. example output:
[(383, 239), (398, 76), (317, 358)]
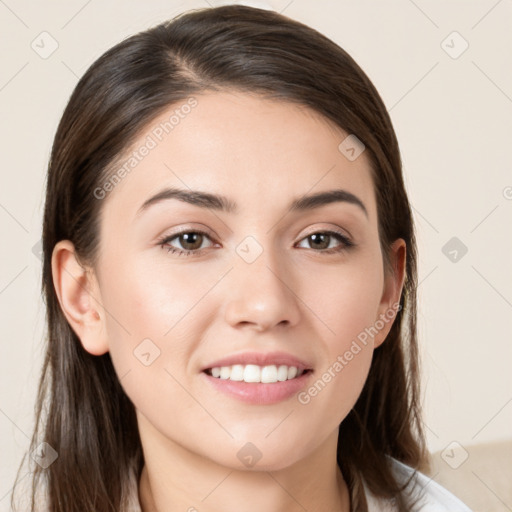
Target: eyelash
[(346, 243)]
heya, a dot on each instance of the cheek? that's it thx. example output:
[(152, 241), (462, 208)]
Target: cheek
[(345, 299), (335, 387), (148, 335), (152, 299), (154, 317)]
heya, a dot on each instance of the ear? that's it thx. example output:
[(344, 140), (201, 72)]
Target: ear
[(79, 297), (392, 291)]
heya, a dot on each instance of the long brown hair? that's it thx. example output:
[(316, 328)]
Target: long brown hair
[(82, 411)]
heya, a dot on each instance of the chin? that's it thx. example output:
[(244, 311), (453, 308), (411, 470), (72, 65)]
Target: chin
[(261, 455)]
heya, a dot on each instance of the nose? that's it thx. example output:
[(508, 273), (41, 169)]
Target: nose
[(261, 295)]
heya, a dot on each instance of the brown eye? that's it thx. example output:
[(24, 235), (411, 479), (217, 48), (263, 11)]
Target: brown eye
[(190, 241), (322, 239), (319, 240)]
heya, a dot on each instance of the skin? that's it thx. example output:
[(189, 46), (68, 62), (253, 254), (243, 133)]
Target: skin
[(261, 154)]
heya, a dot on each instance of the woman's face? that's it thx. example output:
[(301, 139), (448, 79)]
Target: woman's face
[(258, 280)]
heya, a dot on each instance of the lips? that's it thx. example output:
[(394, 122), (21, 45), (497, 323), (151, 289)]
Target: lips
[(256, 393), (260, 359)]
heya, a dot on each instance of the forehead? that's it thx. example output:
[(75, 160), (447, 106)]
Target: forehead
[(242, 146)]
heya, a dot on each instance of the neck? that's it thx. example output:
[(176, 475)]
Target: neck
[(175, 479)]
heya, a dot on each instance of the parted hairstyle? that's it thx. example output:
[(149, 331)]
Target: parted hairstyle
[(82, 411)]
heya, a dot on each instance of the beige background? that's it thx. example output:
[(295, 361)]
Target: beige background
[(452, 111)]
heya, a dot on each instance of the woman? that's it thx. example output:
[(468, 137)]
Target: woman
[(203, 353)]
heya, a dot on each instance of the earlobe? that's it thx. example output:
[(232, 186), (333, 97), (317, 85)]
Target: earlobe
[(392, 292), (79, 298)]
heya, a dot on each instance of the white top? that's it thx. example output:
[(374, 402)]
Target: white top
[(435, 498)]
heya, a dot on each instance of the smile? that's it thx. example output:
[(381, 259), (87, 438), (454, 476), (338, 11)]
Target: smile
[(254, 373)]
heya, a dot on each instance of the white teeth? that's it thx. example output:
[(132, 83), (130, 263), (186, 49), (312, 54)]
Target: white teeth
[(282, 373), (292, 372), (237, 372), (268, 374), (252, 373), (255, 373)]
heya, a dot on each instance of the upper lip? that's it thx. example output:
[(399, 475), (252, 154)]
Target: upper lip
[(260, 359)]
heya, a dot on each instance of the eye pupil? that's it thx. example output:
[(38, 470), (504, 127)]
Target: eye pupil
[(317, 236), (190, 238)]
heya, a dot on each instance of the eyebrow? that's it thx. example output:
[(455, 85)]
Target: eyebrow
[(222, 203)]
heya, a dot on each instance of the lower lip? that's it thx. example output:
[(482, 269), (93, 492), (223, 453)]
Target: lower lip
[(258, 393)]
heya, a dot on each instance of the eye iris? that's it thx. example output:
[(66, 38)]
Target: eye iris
[(318, 236), (188, 238)]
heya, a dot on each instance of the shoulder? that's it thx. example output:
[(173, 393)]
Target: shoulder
[(433, 497)]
